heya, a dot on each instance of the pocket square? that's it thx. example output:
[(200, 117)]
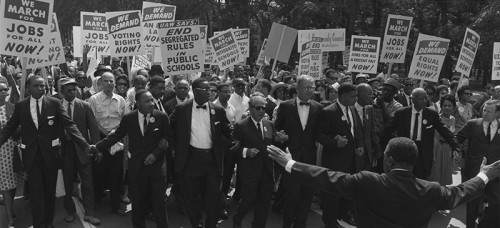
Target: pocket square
[(216, 122), (50, 117), (156, 129), (429, 127)]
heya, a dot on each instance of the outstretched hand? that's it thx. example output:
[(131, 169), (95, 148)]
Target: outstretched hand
[(492, 171), (278, 155)]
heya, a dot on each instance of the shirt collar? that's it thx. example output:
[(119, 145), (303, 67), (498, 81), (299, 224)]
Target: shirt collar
[(196, 104), (179, 100), (341, 106), (103, 96), (358, 106), (142, 114), (34, 100), (493, 124), (413, 110), (255, 122), (299, 100), (66, 101)]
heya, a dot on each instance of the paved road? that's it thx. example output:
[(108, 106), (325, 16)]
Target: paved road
[(109, 220)]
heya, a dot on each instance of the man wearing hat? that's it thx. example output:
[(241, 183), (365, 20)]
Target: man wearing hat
[(74, 159), (405, 97), (374, 83), (361, 78)]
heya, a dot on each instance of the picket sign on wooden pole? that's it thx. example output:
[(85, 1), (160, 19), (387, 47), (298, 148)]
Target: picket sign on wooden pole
[(279, 48), (24, 62), (127, 63), (421, 83), (389, 70), (44, 74)]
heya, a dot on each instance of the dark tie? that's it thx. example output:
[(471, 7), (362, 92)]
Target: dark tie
[(305, 103), (363, 118), (70, 114), (415, 127), (37, 111), (201, 106), (348, 117), (410, 101), (160, 106), (260, 130), (488, 132), (145, 124)]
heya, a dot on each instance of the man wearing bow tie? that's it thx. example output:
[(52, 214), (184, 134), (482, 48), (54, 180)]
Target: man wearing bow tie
[(484, 141), (146, 128), (338, 133), (200, 127), (298, 118)]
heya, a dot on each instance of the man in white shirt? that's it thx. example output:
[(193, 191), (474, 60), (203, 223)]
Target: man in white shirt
[(238, 99)]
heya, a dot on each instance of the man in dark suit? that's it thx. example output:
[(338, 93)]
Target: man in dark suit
[(418, 122), (75, 159), (146, 128), (337, 132), (157, 89), (264, 86), (255, 167), (484, 141), (370, 139), (396, 198), (42, 120), (298, 119), (181, 94), (200, 127), (405, 97)]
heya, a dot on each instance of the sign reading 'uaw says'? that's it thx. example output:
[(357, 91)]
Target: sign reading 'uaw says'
[(468, 52), (56, 51), (25, 26), (181, 47), (94, 32), (125, 33), (152, 14), (226, 49), (428, 57), (396, 36), (364, 54)]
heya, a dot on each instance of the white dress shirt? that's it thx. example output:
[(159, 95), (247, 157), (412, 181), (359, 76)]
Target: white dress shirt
[(261, 133), (158, 104), (303, 112), (33, 109), (141, 121), (240, 104), (179, 100), (65, 106), (343, 108), (419, 131), (229, 110), (408, 99), (493, 128), (201, 134)]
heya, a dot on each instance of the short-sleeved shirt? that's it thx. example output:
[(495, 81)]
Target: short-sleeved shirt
[(108, 111)]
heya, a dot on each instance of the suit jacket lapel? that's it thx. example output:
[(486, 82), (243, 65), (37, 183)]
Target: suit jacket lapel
[(77, 110), (189, 114), (45, 105), (296, 113), (28, 108), (312, 109), (212, 119), (343, 118), (254, 128)]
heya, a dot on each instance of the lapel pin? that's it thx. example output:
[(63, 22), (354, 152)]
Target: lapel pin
[(344, 119), (424, 121), (152, 120), (51, 122), (212, 111), (461, 109), (265, 129)]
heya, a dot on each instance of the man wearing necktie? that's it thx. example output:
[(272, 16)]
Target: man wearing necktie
[(157, 89), (418, 123), (484, 141), (42, 120), (298, 119), (74, 159), (255, 167), (147, 130), (339, 134), (201, 130)]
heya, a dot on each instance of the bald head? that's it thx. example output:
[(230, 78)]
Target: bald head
[(365, 93), (419, 98)]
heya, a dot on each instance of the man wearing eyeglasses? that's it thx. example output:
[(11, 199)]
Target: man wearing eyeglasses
[(405, 97), (200, 128), (298, 118), (255, 167), (238, 99), (81, 79)]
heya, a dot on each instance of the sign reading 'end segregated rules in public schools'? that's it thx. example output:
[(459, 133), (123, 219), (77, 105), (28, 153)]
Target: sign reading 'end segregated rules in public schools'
[(56, 50), (495, 66), (25, 25), (396, 36), (428, 57), (125, 33), (181, 47), (364, 54), (468, 52), (94, 32), (152, 14), (226, 49)]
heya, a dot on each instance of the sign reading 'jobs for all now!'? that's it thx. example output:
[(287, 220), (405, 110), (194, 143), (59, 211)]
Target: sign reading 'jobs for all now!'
[(364, 54), (94, 32), (428, 57), (125, 33), (396, 36), (25, 26), (56, 50)]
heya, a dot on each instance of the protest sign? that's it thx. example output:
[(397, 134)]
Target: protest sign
[(242, 37), (468, 52), (345, 56), (226, 49), (56, 50), (260, 59), (25, 26), (209, 55), (77, 42), (157, 56), (94, 32), (311, 58), (280, 42), (364, 54), (495, 66), (125, 33), (396, 36), (181, 47), (305, 59), (152, 14), (333, 39), (141, 62), (428, 57)]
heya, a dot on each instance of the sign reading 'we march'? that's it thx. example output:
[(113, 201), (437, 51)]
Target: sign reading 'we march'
[(94, 32), (125, 33)]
